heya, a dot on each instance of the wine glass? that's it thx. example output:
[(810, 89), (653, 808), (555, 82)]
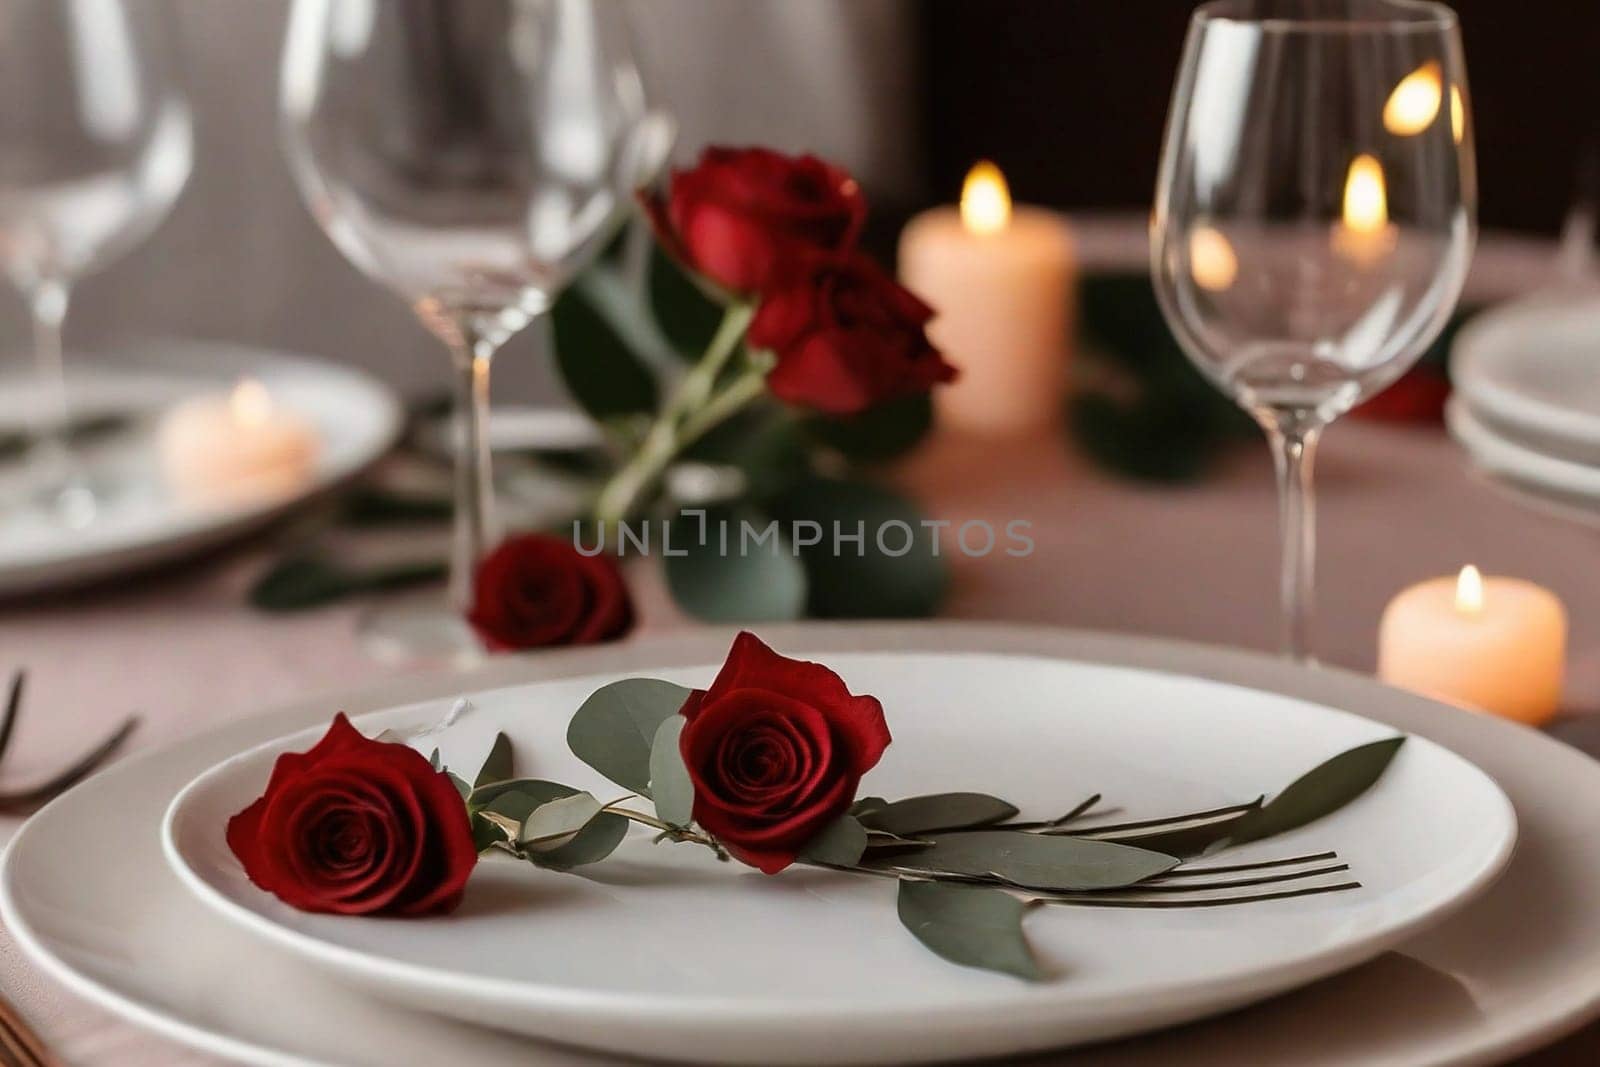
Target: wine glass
[(95, 146), (472, 157), (1314, 219)]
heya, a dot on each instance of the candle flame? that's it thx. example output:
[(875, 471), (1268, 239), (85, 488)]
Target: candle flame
[(1469, 591), (1366, 198), (1458, 114), (1212, 260), (250, 403), (1415, 102), (985, 200)]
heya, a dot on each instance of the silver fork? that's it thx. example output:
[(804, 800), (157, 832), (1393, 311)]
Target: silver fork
[(25, 801)]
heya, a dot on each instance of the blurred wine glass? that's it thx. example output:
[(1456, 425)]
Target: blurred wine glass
[(95, 146), (472, 157), (1315, 216)]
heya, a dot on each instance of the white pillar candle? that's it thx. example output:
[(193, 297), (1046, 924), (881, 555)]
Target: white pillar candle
[(221, 449), (1493, 644), (1001, 282)]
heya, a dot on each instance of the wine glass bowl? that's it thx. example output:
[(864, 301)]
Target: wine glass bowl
[(1315, 216), (95, 147), (472, 157)]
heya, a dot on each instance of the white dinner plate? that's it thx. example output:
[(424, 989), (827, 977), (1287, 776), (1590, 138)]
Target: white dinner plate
[(116, 927), (145, 523), (1531, 369), (1532, 470), (663, 951)]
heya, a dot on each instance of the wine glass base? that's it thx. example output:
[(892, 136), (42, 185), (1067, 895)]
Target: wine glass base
[(419, 632)]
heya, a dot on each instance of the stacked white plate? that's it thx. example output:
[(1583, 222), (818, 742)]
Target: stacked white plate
[(658, 954), (1527, 400)]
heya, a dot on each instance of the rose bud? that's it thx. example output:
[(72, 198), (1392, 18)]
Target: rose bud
[(776, 749), (537, 590), (357, 827), (847, 337), (748, 219)]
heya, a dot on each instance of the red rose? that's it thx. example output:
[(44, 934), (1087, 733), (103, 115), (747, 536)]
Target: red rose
[(357, 827), (749, 218), (1419, 396), (847, 336), (537, 590), (776, 748)]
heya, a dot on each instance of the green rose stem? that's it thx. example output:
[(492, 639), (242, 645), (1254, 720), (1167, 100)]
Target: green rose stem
[(694, 408)]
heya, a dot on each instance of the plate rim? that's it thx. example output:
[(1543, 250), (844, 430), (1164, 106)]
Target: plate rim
[(375, 969), (1528, 1024), (1514, 459), (1525, 413), (183, 356)]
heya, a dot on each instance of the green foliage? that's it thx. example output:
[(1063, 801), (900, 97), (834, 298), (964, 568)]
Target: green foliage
[(747, 581), (598, 367), (974, 926), (897, 575), (615, 729)]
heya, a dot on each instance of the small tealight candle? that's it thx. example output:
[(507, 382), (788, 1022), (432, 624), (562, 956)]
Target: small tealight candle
[(221, 449), (1492, 644), (1001, 282)]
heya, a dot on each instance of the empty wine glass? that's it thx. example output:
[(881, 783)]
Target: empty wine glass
[(95, 146), (472, 157), (1314, 218)]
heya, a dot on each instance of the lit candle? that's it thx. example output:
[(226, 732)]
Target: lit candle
[(1493, 644), (221, 449), (1001, 280)]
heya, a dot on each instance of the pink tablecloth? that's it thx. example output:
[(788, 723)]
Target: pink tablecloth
[(1398, 505)]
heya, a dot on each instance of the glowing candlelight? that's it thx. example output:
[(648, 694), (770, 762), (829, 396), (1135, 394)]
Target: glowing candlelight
[(221, 449), (1494, 644), (1001, 279)]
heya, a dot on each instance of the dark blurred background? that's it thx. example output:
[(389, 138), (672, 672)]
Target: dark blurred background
[(1069, 96)]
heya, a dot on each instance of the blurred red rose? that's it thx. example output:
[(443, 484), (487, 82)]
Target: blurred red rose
[(847, 336), (751, 218), (1419, 396), (357, 827), (537, 590), (776, 748)]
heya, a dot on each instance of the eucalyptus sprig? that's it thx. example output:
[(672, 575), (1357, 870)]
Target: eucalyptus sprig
[(968, 867)]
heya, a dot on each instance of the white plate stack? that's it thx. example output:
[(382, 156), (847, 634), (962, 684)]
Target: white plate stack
[(1527, 400)]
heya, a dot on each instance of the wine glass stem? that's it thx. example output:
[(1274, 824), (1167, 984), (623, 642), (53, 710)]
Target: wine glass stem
[(474, 478), (47, 304), (1293, 451)]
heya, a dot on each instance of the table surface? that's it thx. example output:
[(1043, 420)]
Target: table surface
[(1398, 504)]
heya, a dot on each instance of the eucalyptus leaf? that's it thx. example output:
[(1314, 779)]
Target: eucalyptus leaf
[(840, 845), (938, 811), (497, 764), (614, 730), (597, 366), (461, 785), (597, 840), (1320, 791), (974, 926), (1037, 861), (895, 570), (594, 843), (682, 310), (485, 834), (434, 759), (557, 819), (863, 805), (301, 581), (670, 786), (757, 578)]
